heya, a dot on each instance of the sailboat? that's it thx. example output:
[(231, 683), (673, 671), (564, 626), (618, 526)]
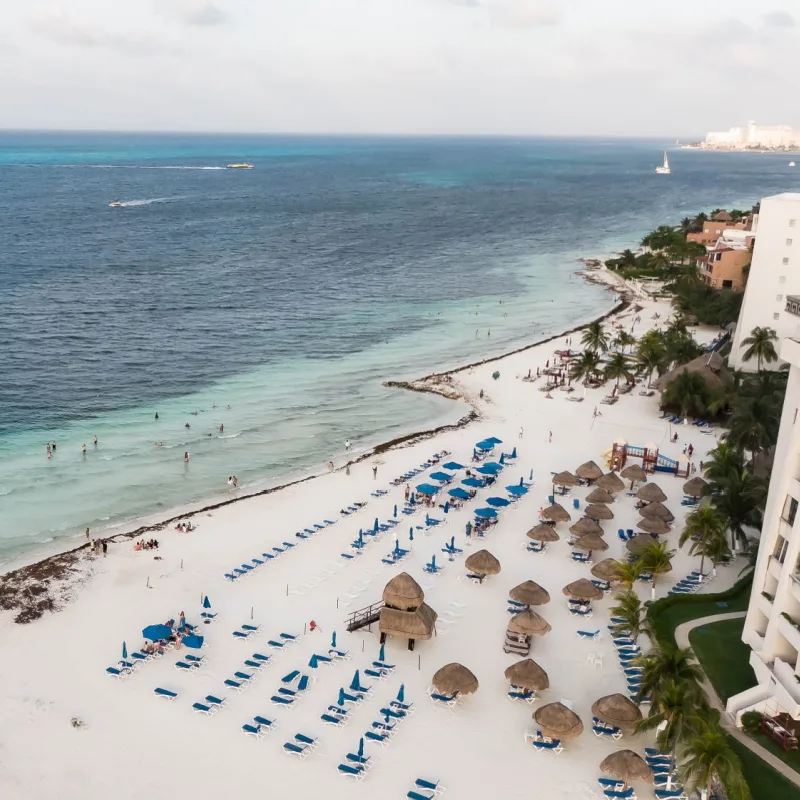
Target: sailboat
[(664, 170)]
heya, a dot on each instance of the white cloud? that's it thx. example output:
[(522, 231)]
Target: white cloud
[(779, 19), (193, 12)]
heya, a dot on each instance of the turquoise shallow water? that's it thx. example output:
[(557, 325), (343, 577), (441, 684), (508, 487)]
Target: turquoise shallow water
[(288, 292)]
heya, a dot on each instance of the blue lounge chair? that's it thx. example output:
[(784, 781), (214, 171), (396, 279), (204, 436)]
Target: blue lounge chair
[(212, 700), (254, 730), (287, 692), (384, 727), (165, 693), (183, 666), (268, 724), (291, 677), (194, 659), (323, 659), (299, 750), (412, 795), (281, 700), (527, 696), (589, 634), (257, 562), (243, 676), (241, 634), (119, 674), (276, 645), (140, 657), (429, 786), (231, 577), (262, 658), (201, 708), (394, 713), (602, 730), (357, 759), (553, 745), (248, 567), (267, 556), (351, 698), (358, 771), (627, 794), (330, 719), (611, 783), (251, 628), (444, 699), (302, 684), (254, 664), (237, 687)]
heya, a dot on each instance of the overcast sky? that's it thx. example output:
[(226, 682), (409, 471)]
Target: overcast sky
[(583, 67)]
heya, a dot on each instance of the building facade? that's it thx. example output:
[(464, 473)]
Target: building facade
[(714, 228), (724, 264), (774, 274), (754, 136), (772, 625)]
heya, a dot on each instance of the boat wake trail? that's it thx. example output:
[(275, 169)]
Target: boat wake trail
[(148, 202)]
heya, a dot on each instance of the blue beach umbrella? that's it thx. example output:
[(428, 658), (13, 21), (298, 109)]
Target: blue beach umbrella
[(356, 682), (446, 506), (411, 533), (360, 536), (441, 476), (193, 641), (485, 513), (484, 446), (401, 695), (382, 653), (395, 510), (124, 650), (494, 465), (498, 502), (412, 501), (531, 477), (206, 602), (474, 483), (486, 470), (453, 465), (333, 639), (397, 547), (517, 491), (502, 458), (427, 518), (494, 440), (433, 561), (514, 453), (375, 527), (340, 701), (156, 632), (314, 664), (521, 482), (361, 747), (426, 488), (452, 542), (460, 493)]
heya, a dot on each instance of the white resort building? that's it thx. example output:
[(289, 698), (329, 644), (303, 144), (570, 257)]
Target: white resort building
[(774, 276), (754, 136)]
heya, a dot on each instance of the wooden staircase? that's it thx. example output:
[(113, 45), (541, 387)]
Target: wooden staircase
[(364, 617)]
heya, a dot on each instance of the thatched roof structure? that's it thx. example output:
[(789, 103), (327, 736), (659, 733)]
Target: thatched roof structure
[(454, 678), (598, 511), (591, 542), (529, 623), (556, 513), (606, 570), (710, 367), (530, 593), (589, 471), (657, 510), (651, 493), (529, 675), (543, 533), (416, 624), (627, 766), (483, 563), (565, 479), (653, 525), (617, 710), (695, 487), (582, 589), (610, 482), (634, 473), (558, 722), (600, 496), (639, 543), (584, 526), (403, 593)]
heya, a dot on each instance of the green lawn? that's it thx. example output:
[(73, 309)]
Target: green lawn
[(790, 757), (764, 782), (724, 656)]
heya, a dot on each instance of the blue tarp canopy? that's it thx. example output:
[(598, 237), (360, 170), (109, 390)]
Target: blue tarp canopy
[(498, 502), (462, 494), (486, 513), (426, 488), (473, 482), (494, 440), (156, 632), (441, 476), (517, 490), (454, 465), (195, 642)]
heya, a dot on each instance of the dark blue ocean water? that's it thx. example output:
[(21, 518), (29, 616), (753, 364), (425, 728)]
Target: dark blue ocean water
[(288, 292)]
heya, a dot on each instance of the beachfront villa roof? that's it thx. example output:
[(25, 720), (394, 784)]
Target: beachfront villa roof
[(710, 366), (582, 589), (589, 471), (657, 510), (639, 543), (695, 487), (529, 623), (610, 482), (627, 766), (591, 542), (584, 526), (722, 216), (651, 493), (565, 479), (455, 678), (558, 722), (530, 593), (634, 473), (403, 593), (599, 496), (556, 513), (543, 533), (617, 710), (598, 511), (606, 570), (483, 563), (416, 624), (529, 675)]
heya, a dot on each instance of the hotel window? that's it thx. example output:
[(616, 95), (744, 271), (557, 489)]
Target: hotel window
[(792, 223), (779, 298), (781, 546), (788, 242), (785, 262), (782, 279), (789, 510)]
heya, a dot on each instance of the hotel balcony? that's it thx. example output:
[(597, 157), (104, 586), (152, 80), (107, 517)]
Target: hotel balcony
[(793, 304)]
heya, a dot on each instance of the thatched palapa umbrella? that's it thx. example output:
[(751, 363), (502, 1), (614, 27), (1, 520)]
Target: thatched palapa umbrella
[(627, 766), (565, 479), (651, 493), (529, 623), (582, 590), (543, 533), (584, 526), (617, 710), (558, 722), (695, 487), (405, 613), (483, 563), (598, 511), (657, 510), (599, 496), (634, 473), (403, 593), (589, 471), (607, 570), (528, 674), (639, 543), (455, 679), (653, 525), (591, 542), (556, 513), (610, 482), (530, 593)]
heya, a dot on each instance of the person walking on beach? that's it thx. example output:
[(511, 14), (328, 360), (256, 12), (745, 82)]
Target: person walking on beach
[(407, 492), (521, 431), (105, 548), (375, 472), (550, 437)]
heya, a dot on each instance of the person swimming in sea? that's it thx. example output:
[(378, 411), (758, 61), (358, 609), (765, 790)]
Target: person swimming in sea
[(221, 428), (186, 457), (187, 426)]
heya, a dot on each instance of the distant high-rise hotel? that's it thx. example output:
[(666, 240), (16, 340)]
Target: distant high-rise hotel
[(754, 136)]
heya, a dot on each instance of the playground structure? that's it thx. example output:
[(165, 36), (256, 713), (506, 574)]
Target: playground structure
[(652, 460)]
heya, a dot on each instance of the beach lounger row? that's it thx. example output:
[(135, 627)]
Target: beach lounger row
[(301, 746), (602, 729), (543, 743), (210, 705), (693, 582)]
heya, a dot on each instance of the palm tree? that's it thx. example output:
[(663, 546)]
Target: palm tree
[(661, 667), (751, 554), (724, 460), (708, 759), (705, 527), (627, 573), (585, 367), (740, 501), (624, 339), (689, 392), (677, 716), (651, 355), (754, 425), (618, 367), (630, 609), (595, 338), (761, 344), (627, 258), (656, 559)]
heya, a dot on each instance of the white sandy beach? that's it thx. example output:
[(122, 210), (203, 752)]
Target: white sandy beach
[(135, 745)]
